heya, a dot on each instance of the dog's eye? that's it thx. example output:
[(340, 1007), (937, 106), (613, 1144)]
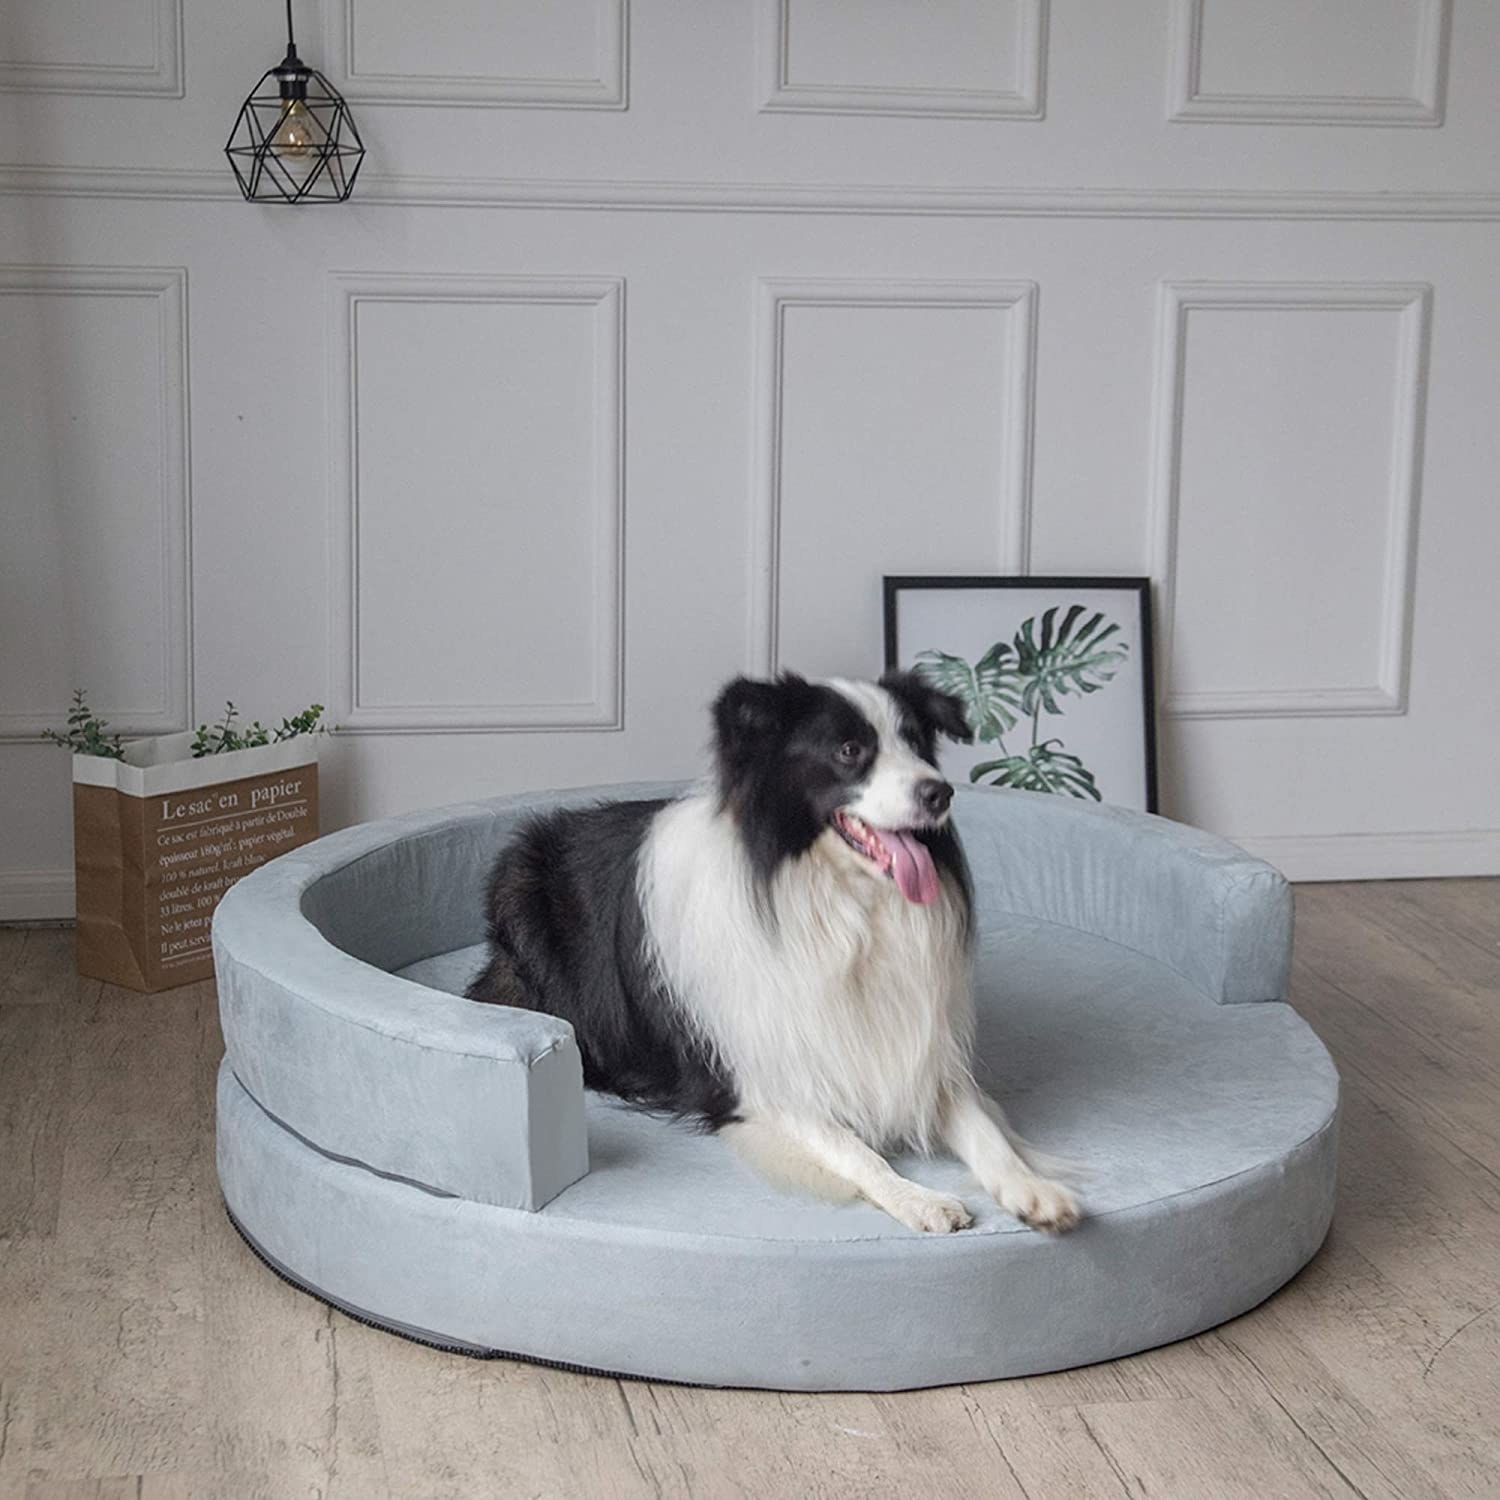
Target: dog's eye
[(849, 753)]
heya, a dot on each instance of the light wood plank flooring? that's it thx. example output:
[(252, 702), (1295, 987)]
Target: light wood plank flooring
[(143, 1352)]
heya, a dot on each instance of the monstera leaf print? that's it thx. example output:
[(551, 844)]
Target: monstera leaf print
[(990, 690), (1070, 658), (1026, 677), (1042, 768)]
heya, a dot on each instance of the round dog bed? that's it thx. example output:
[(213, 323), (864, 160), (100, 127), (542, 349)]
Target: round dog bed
[(435, 1166)]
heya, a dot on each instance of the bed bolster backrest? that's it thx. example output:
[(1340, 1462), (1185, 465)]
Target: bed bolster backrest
[(478, 1101), (1195, 902), (481, 1102)]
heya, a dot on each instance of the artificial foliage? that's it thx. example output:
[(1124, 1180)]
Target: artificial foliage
[(86, 734), (224, 736)]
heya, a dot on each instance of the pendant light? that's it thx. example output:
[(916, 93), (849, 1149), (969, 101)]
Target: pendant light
[(294, 140)]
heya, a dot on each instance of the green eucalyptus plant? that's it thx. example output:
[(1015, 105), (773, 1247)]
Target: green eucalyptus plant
[(86, 734), (224, 736), (1022, 680)]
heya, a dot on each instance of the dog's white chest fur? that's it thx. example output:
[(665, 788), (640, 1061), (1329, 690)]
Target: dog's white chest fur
[(853, 1004)]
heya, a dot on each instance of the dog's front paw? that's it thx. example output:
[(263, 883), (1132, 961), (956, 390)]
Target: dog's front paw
[(1039, 1203), (931, 1213)]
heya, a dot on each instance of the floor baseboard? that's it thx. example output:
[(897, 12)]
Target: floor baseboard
[(36, 895), (1379, 856)]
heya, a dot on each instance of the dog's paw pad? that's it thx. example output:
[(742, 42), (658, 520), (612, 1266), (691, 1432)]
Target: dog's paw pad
[(932, 1213), (1040, 1204)]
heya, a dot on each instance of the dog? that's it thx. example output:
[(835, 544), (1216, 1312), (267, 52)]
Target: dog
[(783, 954)]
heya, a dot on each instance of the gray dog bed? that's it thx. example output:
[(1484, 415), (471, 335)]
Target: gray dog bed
[(435, 1166)]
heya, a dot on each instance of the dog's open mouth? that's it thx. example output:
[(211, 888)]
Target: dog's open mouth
[(896, 852)]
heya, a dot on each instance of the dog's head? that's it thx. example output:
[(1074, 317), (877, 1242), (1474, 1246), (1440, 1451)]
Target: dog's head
[(854, 763)]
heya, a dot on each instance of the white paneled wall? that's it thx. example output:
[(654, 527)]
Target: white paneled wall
[(958, 58), (563, 52), (1316, 62), (95, 570), (1288, 447), (896, 423), (515, 384), (657, 332), (81, 47)]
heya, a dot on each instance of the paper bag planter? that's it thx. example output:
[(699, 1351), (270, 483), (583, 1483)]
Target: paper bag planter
[(159, 837)]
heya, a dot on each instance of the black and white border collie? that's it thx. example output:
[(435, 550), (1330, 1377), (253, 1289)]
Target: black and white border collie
[(784, 953)]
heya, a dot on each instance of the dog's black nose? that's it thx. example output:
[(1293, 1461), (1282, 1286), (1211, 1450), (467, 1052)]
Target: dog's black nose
[(933, 797)]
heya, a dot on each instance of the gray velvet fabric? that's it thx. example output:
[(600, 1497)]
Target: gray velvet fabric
[(469, 1205), (466, 1098)]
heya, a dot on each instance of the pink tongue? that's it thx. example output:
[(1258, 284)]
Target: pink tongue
[(911, 864)]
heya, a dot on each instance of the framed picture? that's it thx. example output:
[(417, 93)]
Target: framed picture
[(1054, 675)]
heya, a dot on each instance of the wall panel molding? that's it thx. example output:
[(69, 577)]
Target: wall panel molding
[(1412, 304), (899, 200), (1379, 856), (1023, 97), (162, 76), (1013, 509), (1188, 102), (606, 295), (167, 288), (607, 88)]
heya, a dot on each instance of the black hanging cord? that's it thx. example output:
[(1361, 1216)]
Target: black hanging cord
[(290, 43)]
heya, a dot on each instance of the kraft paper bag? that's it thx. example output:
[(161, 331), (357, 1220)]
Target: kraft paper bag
[(159, 837)]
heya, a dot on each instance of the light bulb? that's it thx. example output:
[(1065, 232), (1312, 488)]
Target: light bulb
[(298, 133)]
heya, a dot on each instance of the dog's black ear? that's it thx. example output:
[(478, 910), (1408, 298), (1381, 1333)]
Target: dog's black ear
[(934, 708), (748, 711)]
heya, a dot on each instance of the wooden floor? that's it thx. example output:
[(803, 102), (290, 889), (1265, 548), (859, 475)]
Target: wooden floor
[(144, 1352)]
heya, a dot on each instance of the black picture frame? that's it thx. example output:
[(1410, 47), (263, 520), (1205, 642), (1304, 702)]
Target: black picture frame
[(894, 584)]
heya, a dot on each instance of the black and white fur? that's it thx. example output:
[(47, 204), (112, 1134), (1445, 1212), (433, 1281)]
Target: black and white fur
[(747, 958)]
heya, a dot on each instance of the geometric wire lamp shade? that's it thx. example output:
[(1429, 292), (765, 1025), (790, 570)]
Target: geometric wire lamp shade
[(294, 140)]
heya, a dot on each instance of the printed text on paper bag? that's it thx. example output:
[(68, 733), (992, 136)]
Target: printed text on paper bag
[(205, 840)]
